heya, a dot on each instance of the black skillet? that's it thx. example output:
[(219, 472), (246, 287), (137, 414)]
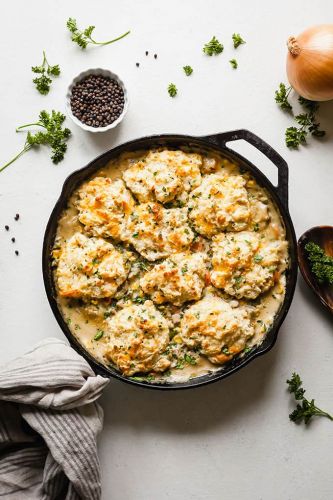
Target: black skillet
[(214, 143)]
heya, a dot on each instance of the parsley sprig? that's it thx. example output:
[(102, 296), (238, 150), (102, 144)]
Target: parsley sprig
[(308, 124), (305, 409), (83, 37), (45, 70), (281, 97), (213, 47), (188, 70), (53, 135), (321, 263), (237, 39), (172, 89), (296, 136)]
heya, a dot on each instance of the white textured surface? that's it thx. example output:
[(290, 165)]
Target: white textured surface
[(233, 439)]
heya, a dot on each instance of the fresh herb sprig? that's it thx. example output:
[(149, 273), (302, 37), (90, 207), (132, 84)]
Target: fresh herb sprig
[(296, 136), (321, 263), (305, 409), (172, 89), (53, 135), (234, 63), (213, 47), (312, 107), (308, 124), (281, 97), (45, 70), (83, 37), (237, 39), (188, 70)]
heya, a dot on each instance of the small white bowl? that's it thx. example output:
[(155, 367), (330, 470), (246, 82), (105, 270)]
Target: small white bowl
[(81, 76)]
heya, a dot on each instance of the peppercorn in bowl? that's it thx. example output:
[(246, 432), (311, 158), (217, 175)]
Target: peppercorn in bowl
[(97, 100), (169, 261)]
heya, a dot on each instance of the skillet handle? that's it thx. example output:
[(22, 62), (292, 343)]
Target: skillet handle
[(264, 148)]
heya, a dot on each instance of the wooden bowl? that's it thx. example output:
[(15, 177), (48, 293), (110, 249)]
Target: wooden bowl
[(322, 236)]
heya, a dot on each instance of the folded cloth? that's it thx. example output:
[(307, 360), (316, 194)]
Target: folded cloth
[(49, 421)]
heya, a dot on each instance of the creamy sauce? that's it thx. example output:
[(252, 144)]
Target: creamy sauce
[(84, 323)]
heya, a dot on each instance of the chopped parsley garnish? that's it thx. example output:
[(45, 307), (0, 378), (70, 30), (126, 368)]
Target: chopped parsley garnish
[(237, 39), (256, 227), (321, 263), (186, 359), (257, 258), (213, 47), (190, 359), (139, 300), (107, 314), (234, 63), (305, 409), (172, 89), (184, 269), (188, 70), (135, 235), (99, 334)]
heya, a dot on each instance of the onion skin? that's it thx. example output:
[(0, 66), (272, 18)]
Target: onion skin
[(310, 63)]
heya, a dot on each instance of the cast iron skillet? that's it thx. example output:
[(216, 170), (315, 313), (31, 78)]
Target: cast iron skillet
[(217, 143)]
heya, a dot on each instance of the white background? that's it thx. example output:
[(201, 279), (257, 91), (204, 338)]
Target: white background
[(229, 440)]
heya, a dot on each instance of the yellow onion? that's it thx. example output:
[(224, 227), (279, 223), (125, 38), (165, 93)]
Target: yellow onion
[(310, 63)]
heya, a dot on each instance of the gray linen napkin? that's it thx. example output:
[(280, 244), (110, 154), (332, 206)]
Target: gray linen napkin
[(49, 421)]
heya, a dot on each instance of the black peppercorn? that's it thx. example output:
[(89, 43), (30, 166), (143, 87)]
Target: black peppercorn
[(7, 228)]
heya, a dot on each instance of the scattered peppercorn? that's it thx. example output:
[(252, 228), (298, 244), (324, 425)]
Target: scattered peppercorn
[(13, 240), (155, 56), (137, 65), (16, 252), (146, 52), (97, 100), (7, 228), (17, 216)]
